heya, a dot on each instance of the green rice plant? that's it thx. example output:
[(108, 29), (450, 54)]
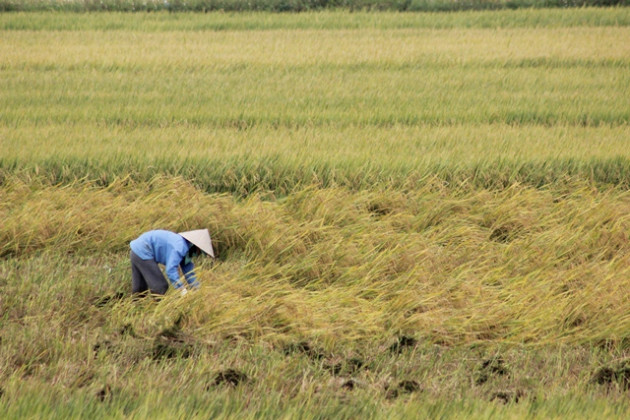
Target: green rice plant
[(290, 5), (325, 19)]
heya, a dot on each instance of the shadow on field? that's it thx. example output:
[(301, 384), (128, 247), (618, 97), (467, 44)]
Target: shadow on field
[(618, 374), (102, 301), (171, 343)]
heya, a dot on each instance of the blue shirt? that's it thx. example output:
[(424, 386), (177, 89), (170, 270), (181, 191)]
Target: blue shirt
[(169, 249)]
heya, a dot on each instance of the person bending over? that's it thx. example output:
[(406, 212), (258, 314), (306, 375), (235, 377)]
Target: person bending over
[(173, 251)]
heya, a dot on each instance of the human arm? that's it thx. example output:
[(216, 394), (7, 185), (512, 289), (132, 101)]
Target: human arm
[(189, 274), (172, 272)]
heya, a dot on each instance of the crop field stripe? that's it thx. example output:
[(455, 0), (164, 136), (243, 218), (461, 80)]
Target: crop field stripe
[(525, 104), (519, 265), (328, 77), (157, 22)]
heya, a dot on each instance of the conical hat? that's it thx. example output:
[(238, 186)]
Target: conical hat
[(200, 238)]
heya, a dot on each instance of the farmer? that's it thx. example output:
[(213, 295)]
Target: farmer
[(172, 250)]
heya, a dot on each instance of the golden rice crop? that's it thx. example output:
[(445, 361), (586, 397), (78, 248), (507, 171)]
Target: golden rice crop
[(250, 109), (452, 265)]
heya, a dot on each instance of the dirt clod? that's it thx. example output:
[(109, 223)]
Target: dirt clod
[(104, 345), (350, 384), (504, 234), (104, 394), (163, 350), (490, 367), (127, 329), (506, 397), (409, 386), (401, 343), (335, 368), (403, 387), (230, 377), (378, 209), (345, 367), (355, 364), (305, 348), (609, 375)]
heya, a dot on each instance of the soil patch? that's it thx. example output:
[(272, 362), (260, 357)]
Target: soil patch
[(105, 345), (506, 397), (230, 377), (304, 348), (165, 350), (609, 375), (490, 367), (127, 329), (350, 384), (104, 394), (402, 343), (378, 209), (403, 387), (504, 234), (347, 367)]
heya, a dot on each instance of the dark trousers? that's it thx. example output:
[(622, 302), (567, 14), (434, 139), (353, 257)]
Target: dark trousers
[(146, 275)]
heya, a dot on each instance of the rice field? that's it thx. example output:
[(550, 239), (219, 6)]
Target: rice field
[(415, 215)]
